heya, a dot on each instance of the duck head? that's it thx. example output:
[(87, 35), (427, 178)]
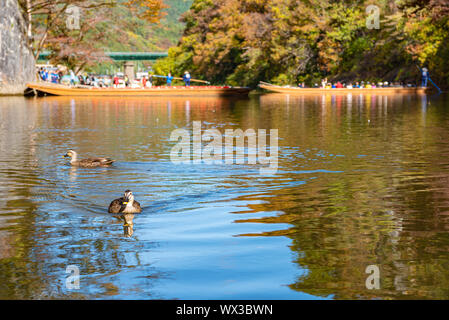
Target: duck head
[(129, 197), (71, 154)]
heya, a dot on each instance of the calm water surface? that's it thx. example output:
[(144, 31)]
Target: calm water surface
[(362, 180)]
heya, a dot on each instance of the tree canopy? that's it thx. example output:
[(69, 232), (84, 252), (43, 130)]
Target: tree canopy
[(241, 42), (102, 25)]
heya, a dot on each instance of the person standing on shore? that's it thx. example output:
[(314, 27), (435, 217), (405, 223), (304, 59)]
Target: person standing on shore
[(186, 78), (425, 77), (41, 73), (72, 78), (169, 79), (54, 77), (60, 75), (324, 83), (45, 75), (115, 81)]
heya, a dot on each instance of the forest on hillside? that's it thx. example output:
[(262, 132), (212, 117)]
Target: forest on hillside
[(136, 34), (131, 33), (241, 42), (100, 26)]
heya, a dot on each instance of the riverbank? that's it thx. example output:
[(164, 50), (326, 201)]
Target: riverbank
[(17, 64), (12, 90)]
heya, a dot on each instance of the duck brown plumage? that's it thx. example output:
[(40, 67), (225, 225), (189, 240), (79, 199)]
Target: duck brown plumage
[(125, 204), (88, 163)]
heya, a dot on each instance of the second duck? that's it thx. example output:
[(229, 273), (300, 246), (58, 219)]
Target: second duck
[(90, 162)]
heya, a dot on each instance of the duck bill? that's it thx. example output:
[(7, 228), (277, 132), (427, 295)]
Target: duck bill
[(126, 200)]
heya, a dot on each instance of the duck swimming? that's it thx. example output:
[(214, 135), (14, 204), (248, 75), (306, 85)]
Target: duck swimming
[(125, 204), (90, 162)]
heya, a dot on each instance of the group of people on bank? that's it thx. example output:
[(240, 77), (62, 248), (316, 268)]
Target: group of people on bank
[(368, 85), (50, 75), (147, 81), (169, 79), (58, 76), (325, 84)]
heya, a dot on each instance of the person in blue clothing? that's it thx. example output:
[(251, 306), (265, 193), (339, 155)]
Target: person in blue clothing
[(54, 77), (425, 77), (44, 75), (186, 78), (169, 79)]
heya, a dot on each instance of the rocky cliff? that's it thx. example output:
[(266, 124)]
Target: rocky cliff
[(17, 65)]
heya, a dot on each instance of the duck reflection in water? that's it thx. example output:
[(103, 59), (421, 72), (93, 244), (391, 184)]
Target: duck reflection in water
[(128, 224), (73, 174)]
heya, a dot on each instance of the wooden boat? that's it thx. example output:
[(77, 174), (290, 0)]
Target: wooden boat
[(63, 90), (380, 91)]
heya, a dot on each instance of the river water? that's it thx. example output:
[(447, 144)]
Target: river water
[(362, 182)]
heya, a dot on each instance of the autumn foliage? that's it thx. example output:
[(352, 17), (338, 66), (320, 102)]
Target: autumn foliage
[(149, 10), (48, 30), (240, 42)]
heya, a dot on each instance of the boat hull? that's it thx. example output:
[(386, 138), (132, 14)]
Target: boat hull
[(382, 91), (62, 90)]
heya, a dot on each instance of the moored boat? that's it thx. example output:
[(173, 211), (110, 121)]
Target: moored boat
[(63, 90), (383, 90)]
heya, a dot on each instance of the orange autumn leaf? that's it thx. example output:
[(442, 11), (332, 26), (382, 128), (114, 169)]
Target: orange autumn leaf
[(150, 10)]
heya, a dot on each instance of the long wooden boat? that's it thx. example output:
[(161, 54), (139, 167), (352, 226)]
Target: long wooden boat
[(63, 90), (386, 90)]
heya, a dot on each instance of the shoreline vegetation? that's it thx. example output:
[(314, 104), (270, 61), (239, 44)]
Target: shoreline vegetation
[(242, 42)]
